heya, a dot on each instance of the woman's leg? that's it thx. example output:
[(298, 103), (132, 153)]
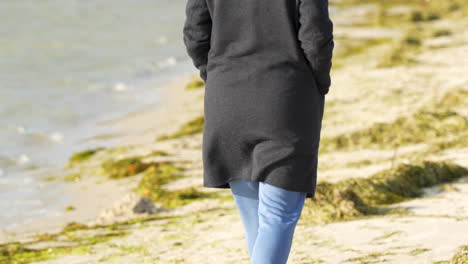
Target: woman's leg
[(279, 211), (245, 193)]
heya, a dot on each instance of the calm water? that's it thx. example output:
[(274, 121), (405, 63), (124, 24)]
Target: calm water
[(66, 65)]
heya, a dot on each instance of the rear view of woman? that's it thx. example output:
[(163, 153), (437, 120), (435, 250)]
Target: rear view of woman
[(266, 67)]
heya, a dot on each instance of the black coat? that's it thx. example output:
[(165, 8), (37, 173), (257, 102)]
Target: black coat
[(266, 67)]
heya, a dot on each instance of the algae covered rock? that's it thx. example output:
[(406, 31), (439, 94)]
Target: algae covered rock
[(128, 207)]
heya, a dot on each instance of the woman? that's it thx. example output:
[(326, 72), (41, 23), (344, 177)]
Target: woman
[(266, 67)]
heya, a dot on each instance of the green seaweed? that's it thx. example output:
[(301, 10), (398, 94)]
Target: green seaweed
[(157, 153), (416, 22), (387, 235), (160, 175), (351, 47), (373, 257), (74, 238), (17, 254), (154, 176), (117, 169), (151, 186), (418, 251), (441, 33), (454, 98), (421, 127), (430, 123), (84, 155), (358, 197), (73, 177), (68, 241), (360, 163), (461, 256), (193, 126), (121, 168), (74, 226), (403, 50), (195, 84), (423, 11), (458, 141), (130, 166)]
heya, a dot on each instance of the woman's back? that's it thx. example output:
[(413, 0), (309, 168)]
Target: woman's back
[(259, 37), (266, 66), (258, 33)]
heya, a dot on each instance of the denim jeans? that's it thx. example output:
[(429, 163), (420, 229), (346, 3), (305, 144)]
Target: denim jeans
[(269, 215)]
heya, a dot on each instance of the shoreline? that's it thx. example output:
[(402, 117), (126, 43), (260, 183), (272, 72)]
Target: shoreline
[(92, 195)]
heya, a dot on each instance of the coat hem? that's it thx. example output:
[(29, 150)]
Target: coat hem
[(225, 185)]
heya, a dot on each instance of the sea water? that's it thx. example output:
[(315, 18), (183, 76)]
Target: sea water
[(65, 66)]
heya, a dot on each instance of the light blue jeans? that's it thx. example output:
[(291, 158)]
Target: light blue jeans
[(269, 215)]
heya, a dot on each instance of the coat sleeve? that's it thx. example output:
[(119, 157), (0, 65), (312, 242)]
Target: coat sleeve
[(315, 34), (197, 34)]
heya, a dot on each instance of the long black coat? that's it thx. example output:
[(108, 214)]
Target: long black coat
[(266, 67)]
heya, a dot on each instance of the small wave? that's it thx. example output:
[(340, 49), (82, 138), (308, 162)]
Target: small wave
[(56, 137), (21, 129), (27, 180), (41, 138), (6, 162), (23, 159), (161, 40), (171, 61), (120, 87)]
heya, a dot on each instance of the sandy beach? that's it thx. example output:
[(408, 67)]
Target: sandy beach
[(379, 122)]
